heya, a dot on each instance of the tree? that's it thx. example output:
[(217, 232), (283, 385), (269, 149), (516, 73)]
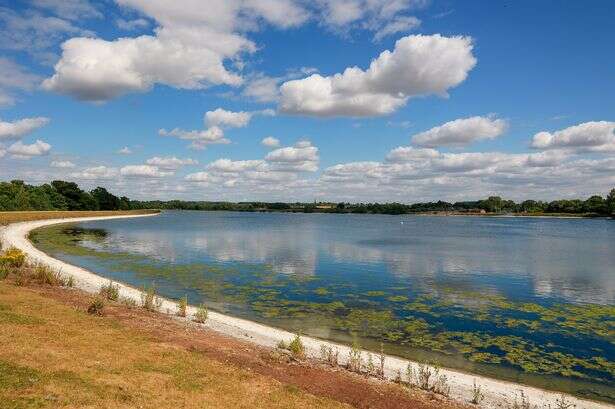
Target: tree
[(610, 201), (104, 199)]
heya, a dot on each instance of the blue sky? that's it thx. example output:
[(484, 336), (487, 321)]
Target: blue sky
[(471, 99)]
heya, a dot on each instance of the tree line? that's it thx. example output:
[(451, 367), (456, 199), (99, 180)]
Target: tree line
[(62, 195), (57, 195)]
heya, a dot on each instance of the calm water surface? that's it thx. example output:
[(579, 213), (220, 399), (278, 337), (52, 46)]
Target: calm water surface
[(525, 299)]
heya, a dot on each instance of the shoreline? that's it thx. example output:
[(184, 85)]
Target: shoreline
[(497, 393)]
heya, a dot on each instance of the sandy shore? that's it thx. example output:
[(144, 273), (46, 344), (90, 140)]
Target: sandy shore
[(498, 394)]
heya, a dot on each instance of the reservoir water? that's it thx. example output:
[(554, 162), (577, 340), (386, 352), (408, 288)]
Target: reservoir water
[(530, 300)]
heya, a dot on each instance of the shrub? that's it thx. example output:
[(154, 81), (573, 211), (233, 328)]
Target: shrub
[(411, 376), (96, 306), (182, 306), (4, 271), (45, 275), (201, 314), (70, 281), (128, 302), (110, 291), (296, 347), (149, 301), (329, 355), (354, 357), (13, 257), (282, 345), (382, 359), (563, 403), (521, 402), (477, 394)]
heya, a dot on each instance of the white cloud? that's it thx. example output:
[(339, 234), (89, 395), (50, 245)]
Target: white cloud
[(301, 157), (384, 17), (419, 65), (22, 127), (223, 118), (20, 150), (410, 154), (595, 136), (130, 25), (96, 173), (263, 89), (125, 151), (402, 24), (230, 166), (69, 9), (188, 50), (200, 139), (270, 142), (143, 171), (200, 177), (62, 164), (170, 163), (461, 132), (13, 77)]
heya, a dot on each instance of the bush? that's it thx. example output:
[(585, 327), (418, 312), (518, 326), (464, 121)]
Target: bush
[(13, 257), (4, 271), (182, 306), (149, 301), (201, 314), (96, 306), (329, 355), (128, 302), (45, 275), (477, 394), (354, 357), (296, 347), (110, 291)]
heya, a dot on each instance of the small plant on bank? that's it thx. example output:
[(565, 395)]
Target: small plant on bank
[(201, 314), (563, 403), (354, 357), (149, 300), (13, 257), (4, 271), (296, 347), (382, 359), (411, 376), (45, 275), (521, 402), (128, 302), (477, 394), (70, 282), (370, 368), (329, 355), (282, 345), (110, 291), (182, 306), (96, 306), (423, 377)]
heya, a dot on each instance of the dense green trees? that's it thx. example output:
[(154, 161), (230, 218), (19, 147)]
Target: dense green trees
[(59, 195)]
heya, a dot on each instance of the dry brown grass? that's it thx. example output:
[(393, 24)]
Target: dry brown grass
[(57, 356), (14, 217)]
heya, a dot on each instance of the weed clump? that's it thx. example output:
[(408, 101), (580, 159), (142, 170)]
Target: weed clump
[(96, 307), (329, 355), (47, 276), (296, 347), (110, 291), (354, 357), (521, 402), (563, 403), (477, 394), (149, 300), (201, 314), (13, 257), (182, 306)]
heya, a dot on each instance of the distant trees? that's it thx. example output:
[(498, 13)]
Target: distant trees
[(59, 195), (610, 202)]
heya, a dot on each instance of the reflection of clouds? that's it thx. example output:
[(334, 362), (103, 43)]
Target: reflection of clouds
[(564, 259)]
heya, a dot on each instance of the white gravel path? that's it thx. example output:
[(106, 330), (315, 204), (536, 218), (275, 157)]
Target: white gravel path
[(498, 394)]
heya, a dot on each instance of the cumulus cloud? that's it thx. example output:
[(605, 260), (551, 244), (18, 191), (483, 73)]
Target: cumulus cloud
[(301, 157), (461, 132), (62, 164), (409, 154), (223, 118), (14, 77), (130, 25), (125, 151), (188, 49), (595, 136), (383, 17), (200, 139), (143, 171), (170, 163), (22, 127), (418, 65), (270, 142), (96, 173), (19, 150), (69, 9)]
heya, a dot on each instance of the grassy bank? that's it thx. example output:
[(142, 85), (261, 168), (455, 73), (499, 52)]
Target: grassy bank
[(59, 352), (14, 217)]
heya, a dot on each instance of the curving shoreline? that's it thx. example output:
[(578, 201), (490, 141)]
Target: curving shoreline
[(496, 392)]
